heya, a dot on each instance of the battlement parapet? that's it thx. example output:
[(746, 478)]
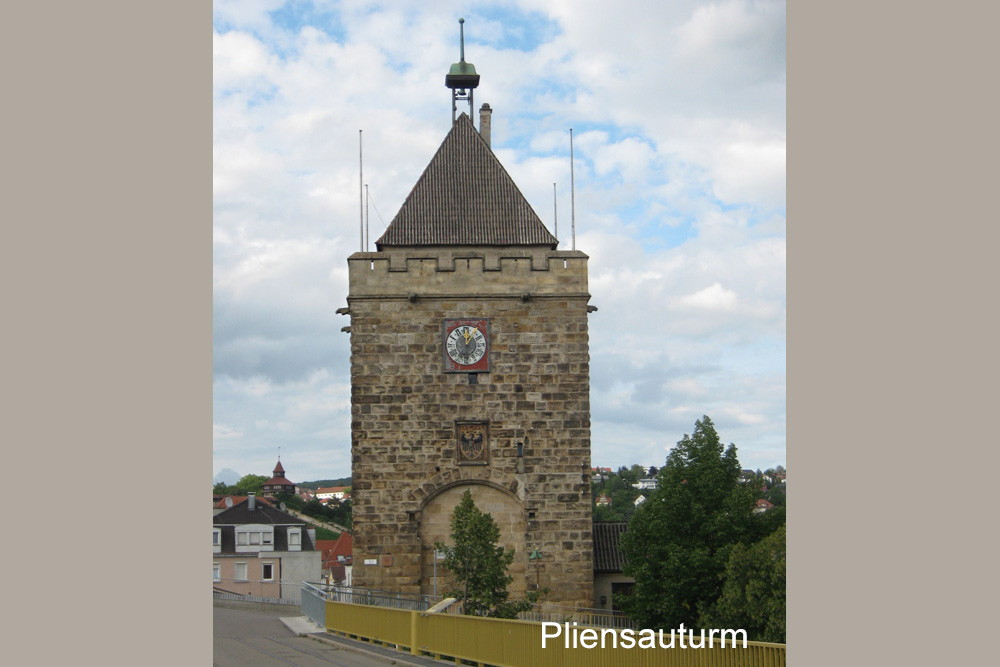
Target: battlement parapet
[(474, 270)]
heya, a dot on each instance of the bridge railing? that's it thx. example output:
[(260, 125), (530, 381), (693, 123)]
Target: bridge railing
[(515, 643)]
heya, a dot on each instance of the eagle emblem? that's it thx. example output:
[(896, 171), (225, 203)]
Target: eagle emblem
[(472, 443)]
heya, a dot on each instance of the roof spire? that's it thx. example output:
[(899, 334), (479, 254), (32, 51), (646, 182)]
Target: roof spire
[(462, 77)]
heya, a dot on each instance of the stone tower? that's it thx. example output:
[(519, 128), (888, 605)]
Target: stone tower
[(278, 482), (470, 370)]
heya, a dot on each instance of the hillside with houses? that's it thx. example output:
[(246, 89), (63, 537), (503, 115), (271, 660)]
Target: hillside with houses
[(617, 493)]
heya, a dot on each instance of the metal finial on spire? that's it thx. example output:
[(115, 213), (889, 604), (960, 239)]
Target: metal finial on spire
[(461, 39)]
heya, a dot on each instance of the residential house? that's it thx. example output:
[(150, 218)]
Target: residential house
[(762, 505), (603, 500), (608, 562), (645, 484), (261, 552), (337, 558), (331, 493), (598, 475), (640, 500), (222, 503)]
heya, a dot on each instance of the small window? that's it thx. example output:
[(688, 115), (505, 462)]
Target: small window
[(241, 572), (215, 538), (267, 572), (241, 538), (216, 571), (265, 538), (294, 538), (254, 538)]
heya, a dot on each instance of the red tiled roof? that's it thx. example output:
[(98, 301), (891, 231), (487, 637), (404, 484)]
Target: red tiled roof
[(278, 469), (342, 546)]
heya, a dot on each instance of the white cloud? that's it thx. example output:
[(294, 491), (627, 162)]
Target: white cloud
[(679, 113), (713, 297), (220, 431)]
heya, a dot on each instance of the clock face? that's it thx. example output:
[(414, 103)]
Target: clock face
[(466, 346)]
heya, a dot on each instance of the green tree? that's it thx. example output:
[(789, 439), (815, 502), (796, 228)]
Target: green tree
[(479, 563), (291, 501), (753, 592), (630, 476), (678, 542), (615, 483), (607, 513), (250, 484)]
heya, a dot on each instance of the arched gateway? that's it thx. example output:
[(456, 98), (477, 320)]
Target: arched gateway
[(435, 526)]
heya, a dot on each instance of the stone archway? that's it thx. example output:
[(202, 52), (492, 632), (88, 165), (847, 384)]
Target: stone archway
[(435, 525)]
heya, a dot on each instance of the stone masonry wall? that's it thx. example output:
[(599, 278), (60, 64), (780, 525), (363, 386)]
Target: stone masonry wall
[(405, 409)]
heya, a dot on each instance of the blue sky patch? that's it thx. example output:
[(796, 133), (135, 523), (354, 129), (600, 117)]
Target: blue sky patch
[(295, 15), (522, 31)]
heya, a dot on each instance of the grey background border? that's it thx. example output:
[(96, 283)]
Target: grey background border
[(107, 295), (892, 145), (891, 171)]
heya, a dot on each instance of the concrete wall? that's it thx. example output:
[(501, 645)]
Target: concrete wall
[(405, 409), (296, 567)]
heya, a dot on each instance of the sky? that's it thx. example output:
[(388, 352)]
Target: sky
[(678, 118)]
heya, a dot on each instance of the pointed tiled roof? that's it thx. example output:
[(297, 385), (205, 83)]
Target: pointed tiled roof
[(278, 469), (607, 554), (465, 197)]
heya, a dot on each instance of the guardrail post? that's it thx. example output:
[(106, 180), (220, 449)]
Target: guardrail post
[(414, 650)]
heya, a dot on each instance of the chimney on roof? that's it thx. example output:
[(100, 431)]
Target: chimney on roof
[(484, 123), (251, 501)]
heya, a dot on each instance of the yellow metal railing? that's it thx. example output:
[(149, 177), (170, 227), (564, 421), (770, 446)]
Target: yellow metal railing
[(384, 624), (511, 643)]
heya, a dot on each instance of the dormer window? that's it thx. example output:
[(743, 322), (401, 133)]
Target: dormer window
[(294, 539), (254, 537)]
